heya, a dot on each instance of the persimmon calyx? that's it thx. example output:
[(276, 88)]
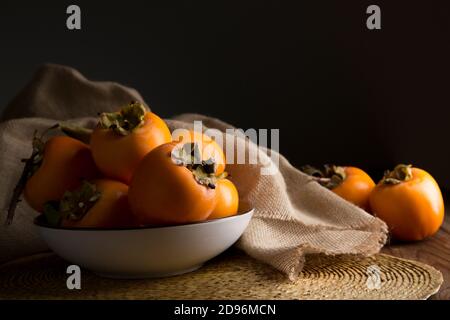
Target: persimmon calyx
[(74, 204), (401, 173), (205, 178), (124, 122), (330, 176), (204, 171), (38, 146)]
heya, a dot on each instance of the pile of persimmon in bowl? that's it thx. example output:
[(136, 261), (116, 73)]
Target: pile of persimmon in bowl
[(130, 201)]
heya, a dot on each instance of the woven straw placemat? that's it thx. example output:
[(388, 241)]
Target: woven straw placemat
[(231, 276)]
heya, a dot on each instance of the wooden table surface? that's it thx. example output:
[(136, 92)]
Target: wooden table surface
[(434, 251)]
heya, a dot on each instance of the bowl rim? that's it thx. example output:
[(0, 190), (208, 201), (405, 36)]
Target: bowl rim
[(38, 221)]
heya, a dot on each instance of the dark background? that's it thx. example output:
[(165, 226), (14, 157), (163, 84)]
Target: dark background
[(337, 91)]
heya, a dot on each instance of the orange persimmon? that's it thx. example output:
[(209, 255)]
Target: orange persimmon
[(410, 201), (169, 188), (122, 139), (98, 204), (350, 183), (209, 148), (62, 163), (227, 202)]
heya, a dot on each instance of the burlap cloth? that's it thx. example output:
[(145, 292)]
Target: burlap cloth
[(294, 216)]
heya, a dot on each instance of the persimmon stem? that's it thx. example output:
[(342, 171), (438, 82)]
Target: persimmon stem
[(30, 164), (20, 186)]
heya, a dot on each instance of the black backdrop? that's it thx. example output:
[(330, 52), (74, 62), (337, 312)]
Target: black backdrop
[(337, 91)]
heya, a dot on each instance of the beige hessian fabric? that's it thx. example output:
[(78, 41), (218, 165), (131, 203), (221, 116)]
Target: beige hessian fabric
[(294, 216)]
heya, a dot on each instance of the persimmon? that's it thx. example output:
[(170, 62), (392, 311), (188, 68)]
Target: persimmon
[(169, 187), (227, 202), (98, 204), (350, 183), (410, 201), (59, 164), (209, 148), (121, 139)]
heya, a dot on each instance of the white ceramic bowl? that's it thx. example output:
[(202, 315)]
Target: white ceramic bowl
[(145, 252)]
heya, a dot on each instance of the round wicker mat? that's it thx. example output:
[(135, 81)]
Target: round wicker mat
[(231, 276)]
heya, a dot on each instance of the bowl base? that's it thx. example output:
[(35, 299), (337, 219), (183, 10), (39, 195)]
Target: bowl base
[(146, 275)]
